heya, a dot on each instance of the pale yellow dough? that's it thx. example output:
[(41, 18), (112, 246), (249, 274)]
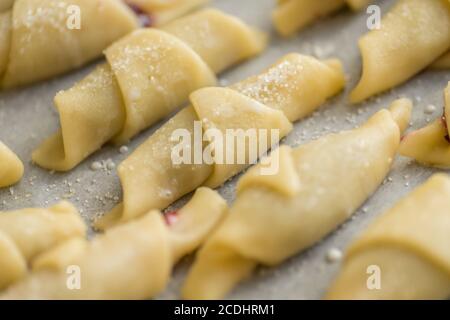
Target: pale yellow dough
[(318, 186), (26, 233), (409, 244), (36, 43), (430, 145), (289, 90), (291, 16), (413, 35), (11, 168), (443, 62), (164, 11), (131, 261), (149, 74)]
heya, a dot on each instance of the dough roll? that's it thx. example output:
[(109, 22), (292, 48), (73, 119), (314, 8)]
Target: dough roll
[(408, 245), (289, 90), (26, 233), (413, 35), (36, 42), (149, 74), (131, 261), (317, 187), (11, 168)]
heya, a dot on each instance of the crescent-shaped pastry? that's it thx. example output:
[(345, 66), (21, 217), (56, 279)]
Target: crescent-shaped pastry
[(443, 62), (413, 35), (317, 187), (131, 261), (37, 41), (291, 16), (149, 74), (11, 168), (289, 90), (430, 145), (26, 233), (159, 12), (408, 245)]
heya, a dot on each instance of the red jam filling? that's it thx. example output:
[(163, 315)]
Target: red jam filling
[(145, 18), (171, 217), (444, 122)]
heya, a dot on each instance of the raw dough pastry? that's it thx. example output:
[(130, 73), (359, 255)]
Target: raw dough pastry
[(288, 91), (131, 261), (26, 233), (11, 168), (431, 145), (317, 187), (36, 44), (443, 62), (292, 15), (149, 74), (410, 246), (160, 12), (413, 35)]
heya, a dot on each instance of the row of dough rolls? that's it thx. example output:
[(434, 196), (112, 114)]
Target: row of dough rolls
[(291, 89), (131, 261), (11, 168), (148, 74), (317, 187), (273, 218), (408, 245), (37, 40)]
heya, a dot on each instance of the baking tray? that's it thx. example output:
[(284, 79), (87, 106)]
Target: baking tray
[(27, 117)]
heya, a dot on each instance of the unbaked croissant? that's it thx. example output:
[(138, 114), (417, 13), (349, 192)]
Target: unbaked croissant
[(430, 145), (413, 35), (316, 188), (36, 42), (293, 15), (149, 74), (131, 261), (405, 253), (291, 89), (11, 168), (26, 233)]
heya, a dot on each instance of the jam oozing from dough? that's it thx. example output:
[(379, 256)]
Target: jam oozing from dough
[(444, 122), (171, 217), (145, 18)]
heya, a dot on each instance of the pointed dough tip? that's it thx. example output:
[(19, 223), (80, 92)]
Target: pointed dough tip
[(401, 112)]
